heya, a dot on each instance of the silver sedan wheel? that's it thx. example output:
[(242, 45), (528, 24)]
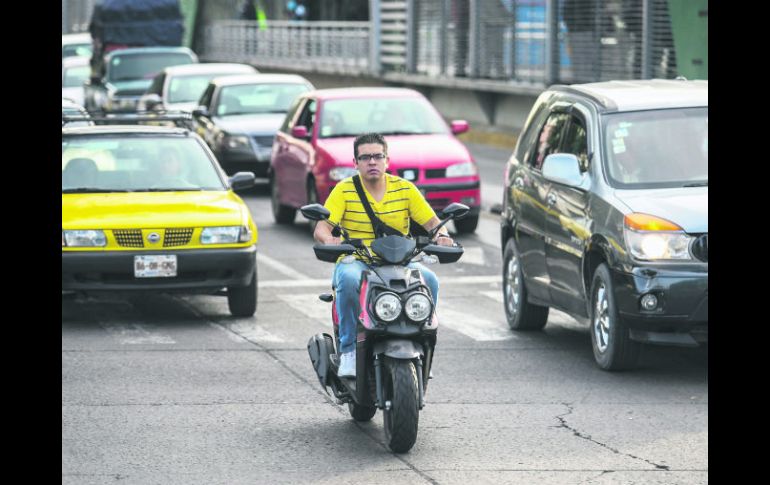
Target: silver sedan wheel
[(602, 320), (512, 286)]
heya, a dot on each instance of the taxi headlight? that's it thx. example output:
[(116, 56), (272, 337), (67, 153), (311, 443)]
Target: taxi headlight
[(85, 238), (220, 235)]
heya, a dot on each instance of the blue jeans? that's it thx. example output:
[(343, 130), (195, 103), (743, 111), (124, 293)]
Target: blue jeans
[(346, 278)]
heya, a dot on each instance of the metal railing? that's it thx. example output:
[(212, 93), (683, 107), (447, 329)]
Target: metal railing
[(331, 47)]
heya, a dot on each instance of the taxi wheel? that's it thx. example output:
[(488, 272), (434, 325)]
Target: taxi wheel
[(281, 213), (242, 301)]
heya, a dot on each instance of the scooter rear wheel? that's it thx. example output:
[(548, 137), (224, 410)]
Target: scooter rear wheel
[(401, 420)]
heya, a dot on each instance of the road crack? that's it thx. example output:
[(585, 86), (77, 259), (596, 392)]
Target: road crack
[(563, 424)]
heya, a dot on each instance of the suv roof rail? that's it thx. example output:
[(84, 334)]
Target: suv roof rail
[(180, 119), (602, 101)]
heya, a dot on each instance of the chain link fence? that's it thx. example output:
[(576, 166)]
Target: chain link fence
[(75, 15), (523, 42)]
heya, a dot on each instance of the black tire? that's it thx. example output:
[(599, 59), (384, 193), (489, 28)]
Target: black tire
[(467, 225), (312, 198), (361, 413), (401, 420), (242, 301), (281, 213), (521, 314), (613, 348)]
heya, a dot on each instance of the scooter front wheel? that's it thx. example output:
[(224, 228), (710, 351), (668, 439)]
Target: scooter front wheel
[(401, 414)]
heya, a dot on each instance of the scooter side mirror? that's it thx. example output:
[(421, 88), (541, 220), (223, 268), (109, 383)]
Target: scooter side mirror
[(315, 212), (455, 211)]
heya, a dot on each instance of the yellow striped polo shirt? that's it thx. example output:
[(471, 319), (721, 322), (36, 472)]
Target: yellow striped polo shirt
[(402, 200)]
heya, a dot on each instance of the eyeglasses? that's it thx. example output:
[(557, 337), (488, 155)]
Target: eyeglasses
[(377, 156)]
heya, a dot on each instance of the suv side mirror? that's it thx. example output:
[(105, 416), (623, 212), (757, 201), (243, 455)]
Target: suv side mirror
[(299, 131), (200, 111), (243, 180), (563, 168)]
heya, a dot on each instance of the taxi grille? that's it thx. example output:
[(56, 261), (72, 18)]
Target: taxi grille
[(177, 237), (129, 238)]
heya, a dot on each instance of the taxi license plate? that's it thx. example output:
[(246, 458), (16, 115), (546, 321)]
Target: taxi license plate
[(156, 266)]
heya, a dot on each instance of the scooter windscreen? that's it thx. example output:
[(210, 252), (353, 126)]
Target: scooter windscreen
[(393, 249)]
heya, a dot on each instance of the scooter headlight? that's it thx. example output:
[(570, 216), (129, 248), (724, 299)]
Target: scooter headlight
[(387, 307), (418, 307)]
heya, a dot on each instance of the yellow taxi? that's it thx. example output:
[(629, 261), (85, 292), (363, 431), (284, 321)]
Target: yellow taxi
[(149, 208)]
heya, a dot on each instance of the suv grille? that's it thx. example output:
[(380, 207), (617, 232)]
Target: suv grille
[(177, 237), (130, 238), (264, 141), (700, 248)]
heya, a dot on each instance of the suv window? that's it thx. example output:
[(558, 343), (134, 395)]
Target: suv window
[(206, 96), (550, 138), (576, 142)]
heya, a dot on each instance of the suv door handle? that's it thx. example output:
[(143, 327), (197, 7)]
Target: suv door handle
[(551, 199)]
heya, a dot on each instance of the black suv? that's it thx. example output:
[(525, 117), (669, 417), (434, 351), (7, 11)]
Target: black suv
[(606, 215)]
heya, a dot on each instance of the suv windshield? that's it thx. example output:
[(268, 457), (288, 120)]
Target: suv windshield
[(657, 148), (143, 163), (143, 66), (388, 116), (258, 98)]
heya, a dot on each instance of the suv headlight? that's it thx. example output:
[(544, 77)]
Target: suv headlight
[(221, 235), (418, 307), (653, 238), (84, 238), (339, 173), (465, 169), (235, 142), (387, 307)]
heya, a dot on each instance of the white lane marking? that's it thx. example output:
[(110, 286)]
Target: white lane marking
[(309, 305), (495, 295), (135, 334), (473, 255), (479, 329), (251, 330), (280, 267), (450, 280), (230, 335), (554, 316)]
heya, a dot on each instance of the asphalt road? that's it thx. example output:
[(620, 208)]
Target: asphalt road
[(171, 389)]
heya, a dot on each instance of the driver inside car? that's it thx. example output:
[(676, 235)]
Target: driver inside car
[(395, 201)]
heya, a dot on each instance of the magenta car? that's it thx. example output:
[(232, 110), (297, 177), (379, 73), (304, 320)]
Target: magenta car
[(313, 149)]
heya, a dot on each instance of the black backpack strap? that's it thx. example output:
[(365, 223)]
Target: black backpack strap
[(379, 227)]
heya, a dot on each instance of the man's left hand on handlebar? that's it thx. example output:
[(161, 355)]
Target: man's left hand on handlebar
[(443, 240)]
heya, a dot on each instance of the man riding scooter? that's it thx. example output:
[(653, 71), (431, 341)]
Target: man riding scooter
[(393, 201)]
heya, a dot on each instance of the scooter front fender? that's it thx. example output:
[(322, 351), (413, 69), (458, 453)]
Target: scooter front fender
[(398, 349)]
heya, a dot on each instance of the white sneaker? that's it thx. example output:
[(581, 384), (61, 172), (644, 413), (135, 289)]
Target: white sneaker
[(347, 365)]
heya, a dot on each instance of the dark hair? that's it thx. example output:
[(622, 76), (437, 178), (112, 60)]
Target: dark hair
[(367, 138)]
